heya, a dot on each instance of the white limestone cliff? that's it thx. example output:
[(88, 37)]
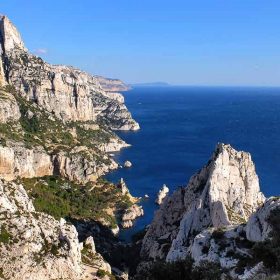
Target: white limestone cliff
[(225, 192), (258, 227), (9, 110), (68, 93), (10, 36), (112, 85), (18, 161), (131, 214), (36, 246)]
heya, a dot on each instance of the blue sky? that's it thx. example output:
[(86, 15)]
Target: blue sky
[(199, 42)]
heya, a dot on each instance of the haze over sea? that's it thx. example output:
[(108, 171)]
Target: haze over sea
[(180, 127)]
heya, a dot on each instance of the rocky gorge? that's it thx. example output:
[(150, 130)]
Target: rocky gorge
[(60, 219)]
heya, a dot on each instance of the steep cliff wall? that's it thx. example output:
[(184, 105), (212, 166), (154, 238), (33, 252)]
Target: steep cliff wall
[(68, 93)]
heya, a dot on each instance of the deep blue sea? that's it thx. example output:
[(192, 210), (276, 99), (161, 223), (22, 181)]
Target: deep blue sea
[(180, 127)]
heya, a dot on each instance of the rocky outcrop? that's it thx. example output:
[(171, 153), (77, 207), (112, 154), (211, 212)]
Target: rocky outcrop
[(127, 164), (18, 161), (131, 214), (163, 192), (225, 192), (123, 187), (258, 227), (114, 145), (112, 85), (34, 245), (10, 37), (79, 165), (9, 110), (68, 93)]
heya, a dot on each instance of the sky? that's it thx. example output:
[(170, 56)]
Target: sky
[(198, 42)]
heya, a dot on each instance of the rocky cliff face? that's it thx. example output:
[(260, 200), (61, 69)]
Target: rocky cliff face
[(68, 93), (18, 161), (224, 192), (258, 227), (9, 109), (34, 245)]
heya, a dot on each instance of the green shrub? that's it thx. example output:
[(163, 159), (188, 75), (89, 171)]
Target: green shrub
[(101, 273), (179, 270), (218, 234), (5, 236), (182, 270), (207, 270)]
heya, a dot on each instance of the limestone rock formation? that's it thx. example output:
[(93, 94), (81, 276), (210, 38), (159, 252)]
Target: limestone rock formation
[(80, 166), (112, 85), (225, 192), (258, 227), (10, 37), (123, 187), (9, 110), (68, 93), (131, 214), (163, 192), (58, 122), (127, 164), (18, 161), (114, 145), (34, 245)]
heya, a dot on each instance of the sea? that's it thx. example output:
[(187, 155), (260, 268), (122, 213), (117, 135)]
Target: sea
[(180, 127)]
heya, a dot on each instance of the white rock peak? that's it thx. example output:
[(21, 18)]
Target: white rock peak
[(224, 192), (10, 36)]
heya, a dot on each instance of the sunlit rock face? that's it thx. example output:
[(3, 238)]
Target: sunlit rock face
[(35, 245), (112, 85), (225, 192), (18, 161), (9, 109), (258, 227), (68, 93)]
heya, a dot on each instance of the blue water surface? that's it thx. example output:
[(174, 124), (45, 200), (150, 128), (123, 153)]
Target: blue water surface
[(180, 127)]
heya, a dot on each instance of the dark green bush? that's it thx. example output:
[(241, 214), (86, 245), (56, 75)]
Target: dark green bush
[(4, 236), (179, 270)]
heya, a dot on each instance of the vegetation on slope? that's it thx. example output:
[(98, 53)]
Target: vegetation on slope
[(181, 270), (60, 198)]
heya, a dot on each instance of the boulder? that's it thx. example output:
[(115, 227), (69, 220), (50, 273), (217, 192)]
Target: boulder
[(131, 214), (258, 227), (127, 164)]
